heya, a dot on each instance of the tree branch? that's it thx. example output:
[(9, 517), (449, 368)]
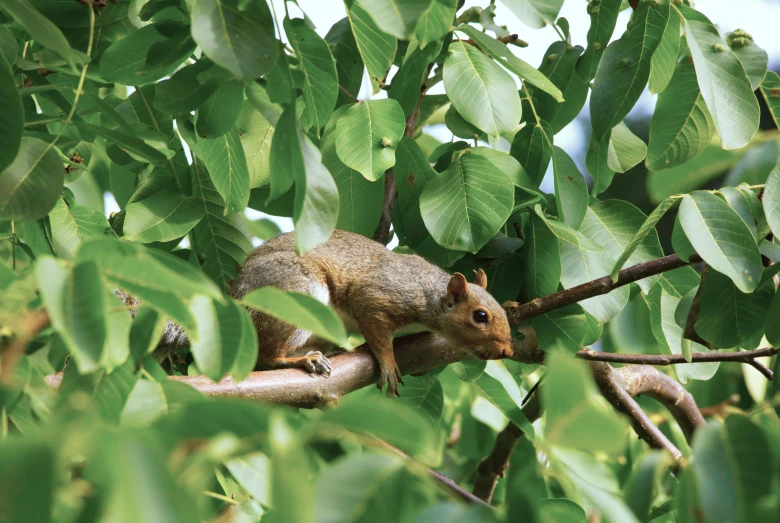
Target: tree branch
[(495, 464), (677, 359), (616, 393), (415, 354), (642, 379), (521, 312)]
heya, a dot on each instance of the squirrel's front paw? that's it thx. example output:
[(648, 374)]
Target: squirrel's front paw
[(390, 376), (316, 362)]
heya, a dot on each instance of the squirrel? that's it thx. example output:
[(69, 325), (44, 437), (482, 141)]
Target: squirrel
[(376, 292)]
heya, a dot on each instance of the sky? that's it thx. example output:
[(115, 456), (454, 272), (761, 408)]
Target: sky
[(757, 17)]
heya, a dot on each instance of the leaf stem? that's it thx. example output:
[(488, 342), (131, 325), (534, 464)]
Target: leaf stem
[(347, 93), (220, 497)]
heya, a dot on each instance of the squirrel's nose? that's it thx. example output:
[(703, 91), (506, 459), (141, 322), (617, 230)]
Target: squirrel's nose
[(507, 351)]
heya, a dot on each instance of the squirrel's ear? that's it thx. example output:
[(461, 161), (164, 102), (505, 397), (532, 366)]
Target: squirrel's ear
[(480, 278), (457, 288)]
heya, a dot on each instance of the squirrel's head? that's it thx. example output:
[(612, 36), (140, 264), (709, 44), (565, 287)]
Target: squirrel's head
[(474, 320)]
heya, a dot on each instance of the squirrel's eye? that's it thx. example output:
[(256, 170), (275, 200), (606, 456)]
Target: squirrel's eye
[(480, 316)]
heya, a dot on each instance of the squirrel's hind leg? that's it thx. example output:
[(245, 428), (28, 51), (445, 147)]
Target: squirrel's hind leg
[(312, 362)]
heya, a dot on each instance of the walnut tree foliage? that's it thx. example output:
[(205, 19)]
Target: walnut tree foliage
[(190, 111)]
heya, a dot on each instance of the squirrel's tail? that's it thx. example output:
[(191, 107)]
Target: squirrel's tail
[(173, 336)]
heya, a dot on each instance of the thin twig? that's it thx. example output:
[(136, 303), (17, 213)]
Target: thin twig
[(443, 480), (748, 357), (348, 94), (536, 307), (720, 408)]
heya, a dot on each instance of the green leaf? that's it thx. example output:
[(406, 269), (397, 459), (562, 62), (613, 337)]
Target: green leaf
[(165, 216), (72, 225), (396, 17), (80, 310), (535, 13), (412, 171), (225, 339), (256, 135), (562, 328), (483, 93), (320, 79), (729, 317), (771, 201), (27, 484), (542, 267), (647, 229), (145, 56), (218, 236), (41, 29), (376, 47), (158, 279), (684, 178), (532, 147), (219, 112), (224, 158), (616, 225), (603, 18), (145, 332), (435, 22), (424, 394), (8, 46), (721, 238), (640, 488), (348, 486), (132, 145), (559, 65), (681, 126), (625, 149), (571, 193), (499, 388), (739, 202), (465, 206), (367, 135), (501, 53), (183, 93), (575, 418), (509, 166), (717, 487), (141, 484), (349, 63), (583, 260), (12, 116), (772, 325), (724, 84), (237, 36), (594, 480), (625, 67), (753, 58), (408, 81), (285, 158), (31, 184), (596, 163), (300, 310), (669, 334), (316, 199), (360, 200), (770, 89), (664, 60)]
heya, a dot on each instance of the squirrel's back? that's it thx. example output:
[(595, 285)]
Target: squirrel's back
[(345, 262)]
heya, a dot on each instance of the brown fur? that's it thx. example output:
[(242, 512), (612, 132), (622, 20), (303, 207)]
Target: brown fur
[(376, 292)]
